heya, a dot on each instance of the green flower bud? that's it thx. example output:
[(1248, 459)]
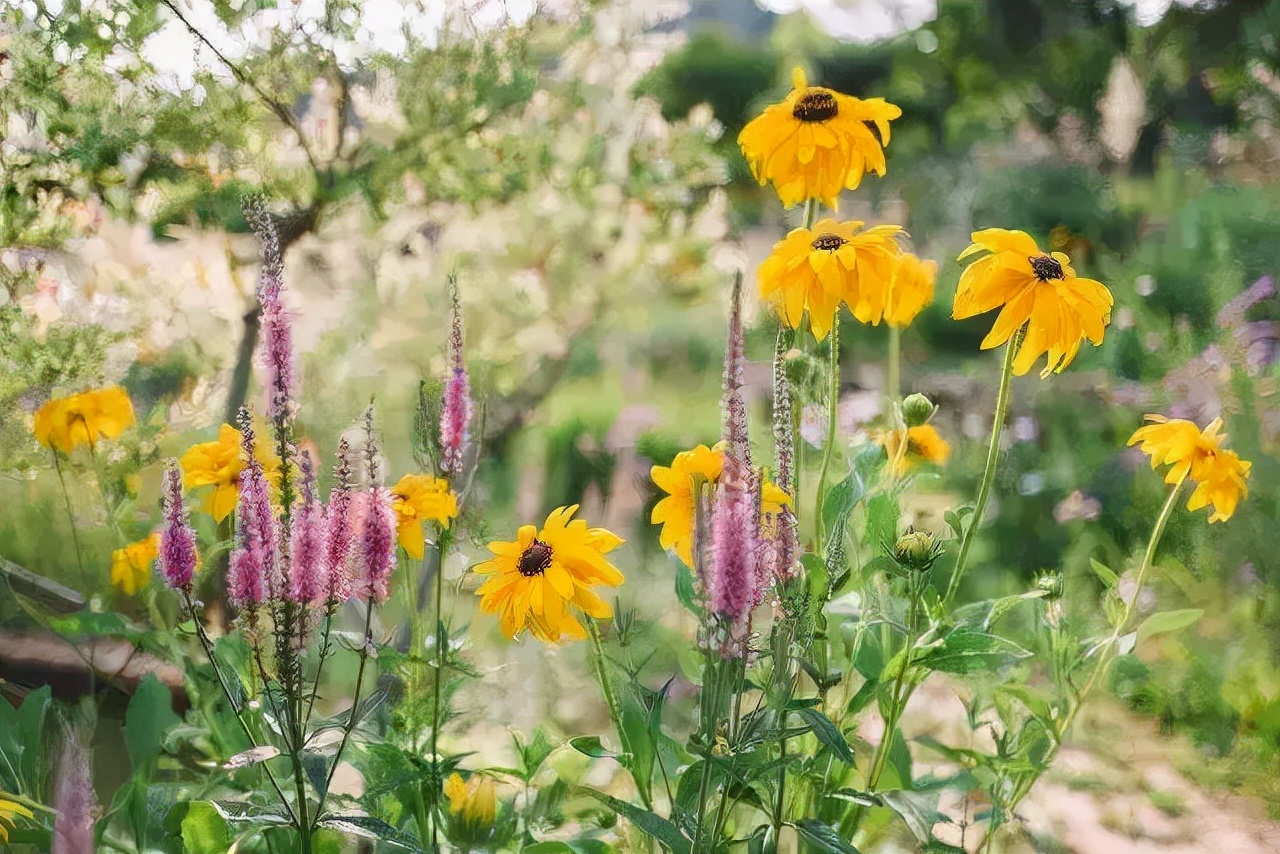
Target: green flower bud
[(917, 409), (1051, 583), (916, 550)]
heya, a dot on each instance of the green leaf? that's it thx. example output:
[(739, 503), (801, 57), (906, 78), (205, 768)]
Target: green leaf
[(204, 830), (684, 587), (966, 650), (883, 514), (647, 822), (918, 809), (823, 837), (149, 716), (1168, 621), (827, 733), (31, 718), (368, 827), (863, 697), (839, 502), (590, 745), (1105, 573)]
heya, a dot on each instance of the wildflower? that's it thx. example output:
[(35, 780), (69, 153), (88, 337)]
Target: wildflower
[(924, 444), (131, 565), (732, 579), (418, 498), (308, 568), (474, 800), (9, 810), (817, 269), (178, 556), (253, 568), (377, 547), (1220, 475), (74, 801), (539, 575), (682, 481), (817, 142), (218, 464), (455, 414), (910, 289), (732, 403), (276, 352), (82, 419), (1038, 290), (339, 529), (916, 550)]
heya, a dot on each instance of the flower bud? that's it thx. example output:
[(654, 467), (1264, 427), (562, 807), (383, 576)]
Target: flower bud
[(917, 409), (916, 550), (1051, 584)]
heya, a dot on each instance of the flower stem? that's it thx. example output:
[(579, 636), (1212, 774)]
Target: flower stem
[(611, 700), (833, 423), (989, 472), (893, 382), (436, 673), (355, 707)]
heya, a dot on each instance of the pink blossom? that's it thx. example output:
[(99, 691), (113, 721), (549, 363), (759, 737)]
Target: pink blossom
[(456, 411), (733, 585), (378, 545), (308, 570), (252, 574), (178, 555)]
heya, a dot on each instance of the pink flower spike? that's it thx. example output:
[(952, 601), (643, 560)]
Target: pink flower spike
[(456, 411), (74, 800), (253, 572), (178, 556), (733, 583), (735, 408), (276, 353), (378, 545), (308, 570)]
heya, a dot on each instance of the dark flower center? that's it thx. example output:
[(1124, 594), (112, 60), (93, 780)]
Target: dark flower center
[(1046, 268), (535, 560), (829, 242), (816, 105)]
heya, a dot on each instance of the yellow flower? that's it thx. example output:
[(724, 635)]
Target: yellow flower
[(8, 811), (131, 565), (1059, 308), (924, 444), (539, 575), (675, 512), (82, 419), (910, 289), (419, 498), (1221, 476), (834, 262), (817, 142), (475, 799), (218, 464)]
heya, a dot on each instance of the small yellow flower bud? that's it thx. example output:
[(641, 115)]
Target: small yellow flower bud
[(916, 550), (917, 409)]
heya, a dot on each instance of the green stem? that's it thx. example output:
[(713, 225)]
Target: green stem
[(897, 699), (231, 700), (833, 422), (611, 700), (893, 382), (355, 707), (989, 472), (71, 520), (437, 671), (711, 672)]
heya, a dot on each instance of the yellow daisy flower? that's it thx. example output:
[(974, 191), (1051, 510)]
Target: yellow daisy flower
[(419, 498), (82, 419), (817, 142), (924, 444), (817, 269), (9, 810), (539, 575), (1038, 290), (131, 565), (1220, 475), (681, 480), (910, 289), (474, 800), (218, 464)]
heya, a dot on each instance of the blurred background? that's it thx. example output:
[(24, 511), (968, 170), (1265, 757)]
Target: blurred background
[(577, 166)]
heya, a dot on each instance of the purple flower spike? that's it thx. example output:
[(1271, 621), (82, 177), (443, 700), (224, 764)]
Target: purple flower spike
[(277, 326), (308, 575), (455, 415), (378, 545), (735, 408), (733, 582), (178, 556), (74, 800), (340, 530), (253, 572)]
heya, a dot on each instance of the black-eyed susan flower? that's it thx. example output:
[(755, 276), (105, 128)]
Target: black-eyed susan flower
[(9, 810), (817, 142), (817, 269), (83, 419), (473, 800), (419, 498), (910, 289), (1221, 477), (1036, 289), (924, 445), (681, 480), (540, 578), (131, 565), (218, 464)]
